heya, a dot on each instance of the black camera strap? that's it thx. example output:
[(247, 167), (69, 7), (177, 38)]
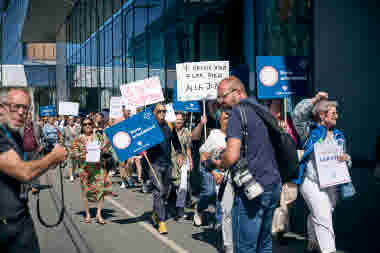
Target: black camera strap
[(244, 131)]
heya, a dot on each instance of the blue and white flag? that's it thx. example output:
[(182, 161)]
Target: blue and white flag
[(134, 135), (47, 110), (281, 76)]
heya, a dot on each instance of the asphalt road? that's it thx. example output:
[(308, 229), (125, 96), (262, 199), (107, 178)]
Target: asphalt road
[(129, 227)]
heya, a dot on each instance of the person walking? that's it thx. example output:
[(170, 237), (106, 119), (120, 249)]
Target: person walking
[(95, 183)]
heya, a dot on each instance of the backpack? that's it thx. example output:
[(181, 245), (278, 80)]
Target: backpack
[(283, 144)]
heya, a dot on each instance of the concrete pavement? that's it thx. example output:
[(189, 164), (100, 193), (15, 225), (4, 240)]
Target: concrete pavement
[(129, 228)]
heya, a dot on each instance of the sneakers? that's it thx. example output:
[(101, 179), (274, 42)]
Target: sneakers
[(122, 186), (111, 173), (162, 228), (181, 216), (155, 219), (71, 179), (197, 220)]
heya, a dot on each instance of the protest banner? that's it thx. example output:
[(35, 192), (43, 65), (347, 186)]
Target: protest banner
[(115, 107), (281, 76), (13, 75), (170, 114), (68, 108), (47, 110), (330, 171), (143, 92), (189, 106), (134, 135), (200, 80)]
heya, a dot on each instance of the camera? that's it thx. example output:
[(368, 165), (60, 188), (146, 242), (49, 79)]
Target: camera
[(48, 148), (244, 179)]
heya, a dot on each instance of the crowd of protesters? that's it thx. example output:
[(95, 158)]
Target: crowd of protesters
[(167, 169)]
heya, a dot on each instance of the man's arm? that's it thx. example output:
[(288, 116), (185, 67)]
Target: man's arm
[(12, 165), (232, 153)]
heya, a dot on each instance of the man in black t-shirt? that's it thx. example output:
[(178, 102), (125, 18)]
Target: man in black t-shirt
[(17, 233), (160, 158)]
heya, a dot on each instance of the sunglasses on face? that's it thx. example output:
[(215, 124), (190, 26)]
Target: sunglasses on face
[(161, 111), (87, 124)]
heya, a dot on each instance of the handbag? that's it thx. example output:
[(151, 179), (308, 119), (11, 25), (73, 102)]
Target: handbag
[(280, 222)]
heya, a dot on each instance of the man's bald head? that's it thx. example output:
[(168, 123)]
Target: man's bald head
[(230, 91)]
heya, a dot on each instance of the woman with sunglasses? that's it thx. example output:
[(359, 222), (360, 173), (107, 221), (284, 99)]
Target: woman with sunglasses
[(95, 183)]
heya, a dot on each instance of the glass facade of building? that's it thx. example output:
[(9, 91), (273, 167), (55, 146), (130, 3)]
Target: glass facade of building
[(114, 42)]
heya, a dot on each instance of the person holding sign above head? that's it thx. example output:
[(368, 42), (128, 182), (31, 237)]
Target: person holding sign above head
[(161, 175), (323, 173), (89, 147)]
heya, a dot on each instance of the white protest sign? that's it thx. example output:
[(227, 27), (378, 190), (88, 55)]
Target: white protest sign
[(170, 113), (143, 92), (200, 80), (330, 171), (14, 75), (115, 107), (68, 108), (93, 152)]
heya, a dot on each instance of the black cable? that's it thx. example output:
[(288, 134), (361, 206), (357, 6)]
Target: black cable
[(62, 213)]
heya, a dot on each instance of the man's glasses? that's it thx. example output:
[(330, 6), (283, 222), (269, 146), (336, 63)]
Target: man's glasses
[(17, 107), (87, 124), (220, 98), (161, 111)]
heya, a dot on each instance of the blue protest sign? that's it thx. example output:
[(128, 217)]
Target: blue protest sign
[(48, 110), (281, 76), (134, 135), (189, 106)]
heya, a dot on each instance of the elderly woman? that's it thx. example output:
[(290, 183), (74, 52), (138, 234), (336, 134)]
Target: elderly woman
[(321, 202), (95, 183)]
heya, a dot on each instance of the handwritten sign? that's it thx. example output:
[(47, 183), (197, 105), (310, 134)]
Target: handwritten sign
[(200, 80), (330, 171), (143, 92), (170, 114), (115, 107), (68, 108), (134, 135), (188, 106)]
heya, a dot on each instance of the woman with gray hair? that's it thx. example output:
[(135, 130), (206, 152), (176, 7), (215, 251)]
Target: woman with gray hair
[(321, 201)]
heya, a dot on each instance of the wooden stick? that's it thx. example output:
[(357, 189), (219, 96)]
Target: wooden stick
[(153, 171), (191, 120), (285, 111), (204, 114)]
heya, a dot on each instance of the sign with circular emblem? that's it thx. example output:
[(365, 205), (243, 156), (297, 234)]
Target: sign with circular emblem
[(268, 76), (121, 140)]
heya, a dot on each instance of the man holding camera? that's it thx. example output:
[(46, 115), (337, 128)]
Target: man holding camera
[(256, 198), (17, 233)]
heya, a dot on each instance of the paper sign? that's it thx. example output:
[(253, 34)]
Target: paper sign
[(330, 171), (68, 108), (14, 75), (170, 114), (115, 107), (93, 152), (200, 80), (281, 76), (134, 135), (47, 110), (179, 106), (144, 92)]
